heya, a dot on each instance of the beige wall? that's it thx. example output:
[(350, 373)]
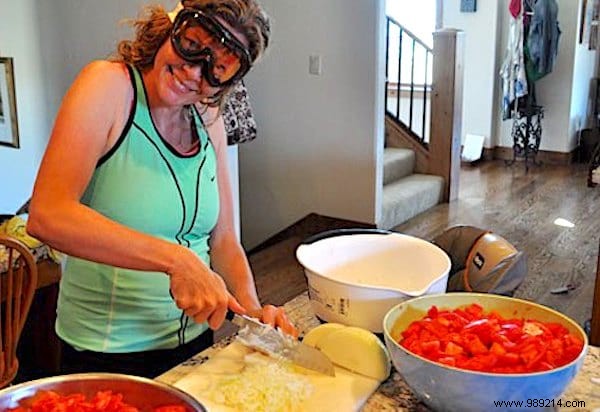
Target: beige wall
[(320, 137), (480, 65), (19, 40)]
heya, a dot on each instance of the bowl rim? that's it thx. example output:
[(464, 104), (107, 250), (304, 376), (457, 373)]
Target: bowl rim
[(395, 235), (389, 337), (91, 376)]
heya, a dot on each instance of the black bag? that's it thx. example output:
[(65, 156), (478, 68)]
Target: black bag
[(237, 114)]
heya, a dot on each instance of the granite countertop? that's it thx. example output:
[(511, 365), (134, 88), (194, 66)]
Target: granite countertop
[(394, 394)]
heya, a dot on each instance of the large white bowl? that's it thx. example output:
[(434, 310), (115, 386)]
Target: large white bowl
[(356, 275), (445, 388)]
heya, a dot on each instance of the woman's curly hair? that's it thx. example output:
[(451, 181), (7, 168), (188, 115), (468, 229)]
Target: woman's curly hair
[(153, 28)]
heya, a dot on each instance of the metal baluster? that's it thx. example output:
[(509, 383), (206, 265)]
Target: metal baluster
[(399, 73), (387, 60), (412, 83), (425, 95)]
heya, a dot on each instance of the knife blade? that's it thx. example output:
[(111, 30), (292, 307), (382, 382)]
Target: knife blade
[(268, 340)]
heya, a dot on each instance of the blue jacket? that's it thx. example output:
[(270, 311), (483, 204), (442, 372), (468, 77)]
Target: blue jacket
[(542, 38)]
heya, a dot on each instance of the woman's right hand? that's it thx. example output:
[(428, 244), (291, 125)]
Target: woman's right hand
[(200, 292)]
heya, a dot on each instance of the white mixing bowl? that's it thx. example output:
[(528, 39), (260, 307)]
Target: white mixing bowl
[(356, 275)]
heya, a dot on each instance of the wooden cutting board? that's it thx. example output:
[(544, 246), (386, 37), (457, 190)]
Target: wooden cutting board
[(346, 391)]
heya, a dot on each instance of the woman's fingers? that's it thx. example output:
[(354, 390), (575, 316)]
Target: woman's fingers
[(204, 301), (268, 315), (284, 323), (216, 318), (276, 317), (235, 306)]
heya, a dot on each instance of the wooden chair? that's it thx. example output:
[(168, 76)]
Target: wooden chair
[(17, 286), (595, 322)]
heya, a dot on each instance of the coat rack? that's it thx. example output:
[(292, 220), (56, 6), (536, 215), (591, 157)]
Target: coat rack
[(527, 134), (526, 129)]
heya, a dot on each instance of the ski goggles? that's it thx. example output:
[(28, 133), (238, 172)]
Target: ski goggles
[(200, 39)]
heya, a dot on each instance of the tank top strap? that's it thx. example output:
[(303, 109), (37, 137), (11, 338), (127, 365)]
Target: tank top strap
[(142, 110), (200, 129)]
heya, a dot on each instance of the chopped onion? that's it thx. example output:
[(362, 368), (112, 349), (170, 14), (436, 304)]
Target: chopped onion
[(263, 386)]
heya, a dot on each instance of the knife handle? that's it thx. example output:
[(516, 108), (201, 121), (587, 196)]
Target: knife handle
[(230, 314)]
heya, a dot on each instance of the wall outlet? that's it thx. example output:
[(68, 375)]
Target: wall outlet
[(468, 6), (314, 64)]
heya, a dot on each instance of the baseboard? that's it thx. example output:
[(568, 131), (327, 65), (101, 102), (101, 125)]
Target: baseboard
[(308, 226), (544, 156)]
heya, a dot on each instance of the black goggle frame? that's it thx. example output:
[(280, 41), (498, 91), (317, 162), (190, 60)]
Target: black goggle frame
[(204, 57)]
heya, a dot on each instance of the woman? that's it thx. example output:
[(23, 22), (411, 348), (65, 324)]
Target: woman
[(134, 188)]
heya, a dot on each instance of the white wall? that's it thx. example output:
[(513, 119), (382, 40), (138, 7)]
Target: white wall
[(320, 137), (564, 92), (19, 40), (582, 105), (480, 71)]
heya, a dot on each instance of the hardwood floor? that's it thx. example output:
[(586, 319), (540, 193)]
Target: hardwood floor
[(519, 206)]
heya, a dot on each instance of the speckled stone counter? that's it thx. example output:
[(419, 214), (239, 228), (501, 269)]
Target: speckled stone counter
[(394, 394)]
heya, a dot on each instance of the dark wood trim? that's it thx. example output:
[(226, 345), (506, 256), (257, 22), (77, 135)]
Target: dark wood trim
[(544, 156), (396, 136), (308, 226), (405, 92)]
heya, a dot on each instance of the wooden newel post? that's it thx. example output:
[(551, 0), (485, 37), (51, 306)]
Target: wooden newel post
[(446, 108)]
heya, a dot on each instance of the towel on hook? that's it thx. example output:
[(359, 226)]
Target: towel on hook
[(515, 8)]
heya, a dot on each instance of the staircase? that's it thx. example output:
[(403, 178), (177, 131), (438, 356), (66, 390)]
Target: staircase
[(406, 193), (423, 108)]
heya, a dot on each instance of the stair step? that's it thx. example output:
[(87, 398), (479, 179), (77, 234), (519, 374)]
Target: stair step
[(397, 163), (409, 196)]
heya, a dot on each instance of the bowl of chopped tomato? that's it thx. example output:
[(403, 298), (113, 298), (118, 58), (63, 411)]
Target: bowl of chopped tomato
[(465, 351), (96, 392)]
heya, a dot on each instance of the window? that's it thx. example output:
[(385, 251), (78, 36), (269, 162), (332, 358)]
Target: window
[(419, 17)]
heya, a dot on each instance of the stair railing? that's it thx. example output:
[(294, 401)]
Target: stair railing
[(440, 154), (408, 69)]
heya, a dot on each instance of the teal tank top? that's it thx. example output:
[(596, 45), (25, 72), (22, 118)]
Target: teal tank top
[(145, 184)]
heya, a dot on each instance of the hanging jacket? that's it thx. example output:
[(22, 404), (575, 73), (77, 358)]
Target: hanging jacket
[(542, 39), (514, 78)]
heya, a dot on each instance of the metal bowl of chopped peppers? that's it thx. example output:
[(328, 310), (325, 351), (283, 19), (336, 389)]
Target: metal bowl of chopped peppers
[(466, 351), (96, 392)]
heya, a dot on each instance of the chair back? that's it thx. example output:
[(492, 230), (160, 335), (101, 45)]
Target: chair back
[(17, 285)]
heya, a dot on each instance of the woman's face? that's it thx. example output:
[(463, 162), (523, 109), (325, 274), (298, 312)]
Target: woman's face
[(180, 82)]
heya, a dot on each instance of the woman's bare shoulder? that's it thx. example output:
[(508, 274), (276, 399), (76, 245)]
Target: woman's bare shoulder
[(105, 73)]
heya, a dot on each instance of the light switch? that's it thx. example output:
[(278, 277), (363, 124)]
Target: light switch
[(314, 64)]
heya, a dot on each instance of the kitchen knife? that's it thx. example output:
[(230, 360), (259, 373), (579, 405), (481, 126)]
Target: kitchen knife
[(268, 340)]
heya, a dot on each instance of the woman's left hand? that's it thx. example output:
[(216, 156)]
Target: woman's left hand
[(276, 317)]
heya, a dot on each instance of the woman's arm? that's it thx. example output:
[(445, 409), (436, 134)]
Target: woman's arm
[(85, 128), (228, 257), (90, 120)]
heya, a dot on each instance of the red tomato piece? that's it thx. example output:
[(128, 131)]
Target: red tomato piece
[(431, 346), (453, 349), (470, 339), (170, 408)]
